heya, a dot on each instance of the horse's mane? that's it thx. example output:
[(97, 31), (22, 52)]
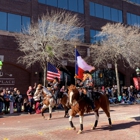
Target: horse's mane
[(46, 91), (73, 88)]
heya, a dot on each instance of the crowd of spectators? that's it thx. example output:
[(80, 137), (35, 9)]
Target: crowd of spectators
[(128, 95), (13, 100)]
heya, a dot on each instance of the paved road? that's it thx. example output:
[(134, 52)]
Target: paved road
[(125, 118)]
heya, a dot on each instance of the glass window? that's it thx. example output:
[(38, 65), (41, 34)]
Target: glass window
[(52, 2), (114, 14), (97, 37), (62, 4), (81, 6), (120, 16), (3, 21), (81, 32), (134, 19), (129, 18), (138, 19), (25, 22), (107, 14), (42, 1), (92, 9), (99, 10), (92, 36), (14, 23), (73, 5)]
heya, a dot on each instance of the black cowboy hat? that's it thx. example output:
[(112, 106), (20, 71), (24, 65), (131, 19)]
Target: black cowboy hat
[(85, 72)]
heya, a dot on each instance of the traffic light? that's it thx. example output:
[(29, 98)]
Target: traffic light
[(1, 64)]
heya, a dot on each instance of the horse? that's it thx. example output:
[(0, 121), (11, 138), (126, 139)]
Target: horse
[(48, 100), (79, 105), (65, 103)]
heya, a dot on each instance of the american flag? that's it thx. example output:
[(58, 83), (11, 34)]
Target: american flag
[(52, 72)]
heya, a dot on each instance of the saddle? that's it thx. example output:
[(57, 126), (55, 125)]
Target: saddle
[(95, 95)]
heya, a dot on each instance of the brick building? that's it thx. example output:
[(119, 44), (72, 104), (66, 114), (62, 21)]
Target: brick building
[(96, 13)]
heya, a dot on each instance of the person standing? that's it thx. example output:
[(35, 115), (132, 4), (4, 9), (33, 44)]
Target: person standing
[(19, 101), (1, 102), (56, 88), (30, 99), (11, 98)]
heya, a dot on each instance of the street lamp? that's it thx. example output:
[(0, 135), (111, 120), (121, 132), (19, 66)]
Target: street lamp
[(1, 64), (137, 71)]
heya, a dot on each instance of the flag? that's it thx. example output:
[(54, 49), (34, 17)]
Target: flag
[(52, 72), (81, 66), (136, 81)]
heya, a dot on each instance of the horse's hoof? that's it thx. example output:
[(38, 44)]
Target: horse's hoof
[(93, 128), (110, 126), (74, 128), (49, 118), (79, 132)]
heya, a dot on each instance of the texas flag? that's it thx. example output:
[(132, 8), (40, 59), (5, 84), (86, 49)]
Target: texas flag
[(81, 66)]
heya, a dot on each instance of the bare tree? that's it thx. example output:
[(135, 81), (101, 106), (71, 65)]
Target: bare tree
[(119, 43), (49, 39)]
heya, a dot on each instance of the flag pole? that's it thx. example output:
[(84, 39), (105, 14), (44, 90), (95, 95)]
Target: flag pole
[(75, 65)]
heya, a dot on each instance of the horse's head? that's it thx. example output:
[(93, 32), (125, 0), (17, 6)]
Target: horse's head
[(73, 93), (39, 89)]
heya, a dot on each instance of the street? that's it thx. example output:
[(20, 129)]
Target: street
[(125, 120)]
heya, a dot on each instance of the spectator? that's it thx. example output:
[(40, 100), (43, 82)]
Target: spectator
[(19, 101), (26, 105), (1, 102), (11, 98), (30, 99), (6, 100)]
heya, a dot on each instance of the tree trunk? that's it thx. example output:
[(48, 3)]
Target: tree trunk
[(45, 74), (117, 79)]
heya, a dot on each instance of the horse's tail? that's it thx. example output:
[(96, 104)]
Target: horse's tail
[(107, 103)]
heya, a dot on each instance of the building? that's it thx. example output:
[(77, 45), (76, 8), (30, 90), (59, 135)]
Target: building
[(16, 13)]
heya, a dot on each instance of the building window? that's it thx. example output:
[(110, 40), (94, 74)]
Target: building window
[(63, 4), (72, 5), (93, 37), (3, 23), (12, 22), (105, 12), (42, 1), (52, 2), (135, 1), (133, 19), (98, 10)]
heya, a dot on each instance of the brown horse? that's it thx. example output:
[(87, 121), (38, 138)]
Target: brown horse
[(48, 100), (79, 105), (65, 103)]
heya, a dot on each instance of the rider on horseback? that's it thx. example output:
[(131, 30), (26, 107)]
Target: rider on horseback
[(87, 86), (56, 88)]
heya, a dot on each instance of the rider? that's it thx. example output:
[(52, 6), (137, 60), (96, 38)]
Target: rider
[(87, 84), (56, 88)]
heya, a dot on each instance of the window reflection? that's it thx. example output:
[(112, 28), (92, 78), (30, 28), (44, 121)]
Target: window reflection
[(73, 5), (93, 36), (133, 19), (12, 22), (105, 12), (63, 4), (52, 2), (3, 24)]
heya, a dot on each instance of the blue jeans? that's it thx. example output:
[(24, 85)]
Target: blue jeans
[(31, 101)]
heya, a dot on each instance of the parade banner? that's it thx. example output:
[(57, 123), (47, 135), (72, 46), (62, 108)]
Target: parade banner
[(136, 81)]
